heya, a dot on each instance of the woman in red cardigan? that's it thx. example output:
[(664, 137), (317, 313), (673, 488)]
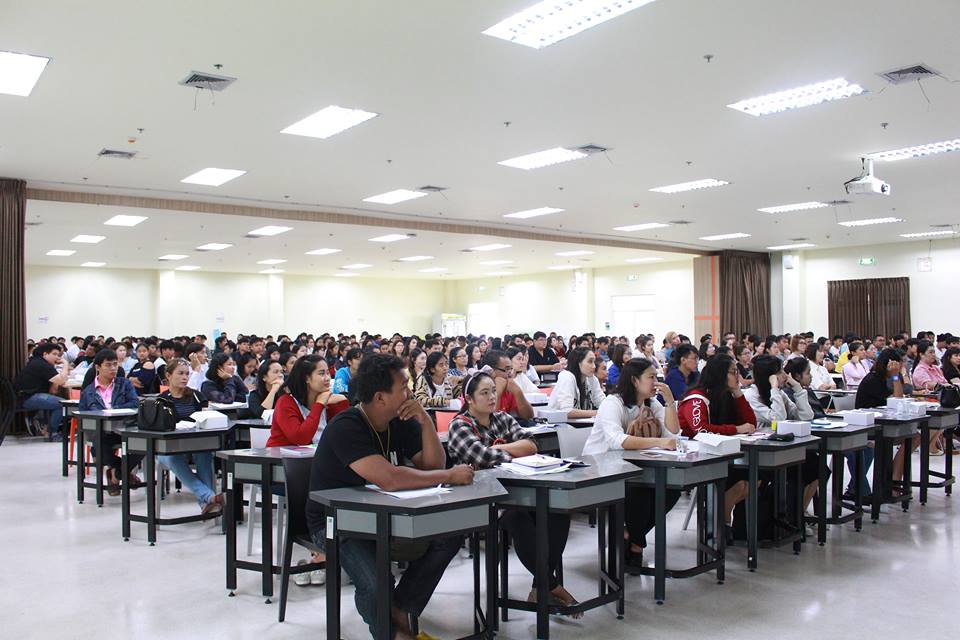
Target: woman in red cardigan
[(306, 404), (717, 405)]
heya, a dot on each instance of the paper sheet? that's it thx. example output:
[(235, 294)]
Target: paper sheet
[(521, 470), (411, 493), (120, 412), (231, 405)]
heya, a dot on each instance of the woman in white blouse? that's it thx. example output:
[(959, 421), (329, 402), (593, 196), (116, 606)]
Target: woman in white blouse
[(520, 360), (820, 378), (633, 418), (577, 390), (856, 369), (645, 350)]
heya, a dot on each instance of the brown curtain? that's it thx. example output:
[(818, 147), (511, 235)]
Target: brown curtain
[(745, 292), (868, 307), (13, 313)]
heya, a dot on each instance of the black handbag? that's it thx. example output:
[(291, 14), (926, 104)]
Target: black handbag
[(157, 414), (949, 396)]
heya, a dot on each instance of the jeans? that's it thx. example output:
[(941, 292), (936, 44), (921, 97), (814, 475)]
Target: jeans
[(852, 466), (200, 483), (359, 559), (522, 527), (640, 512), (48, 404)]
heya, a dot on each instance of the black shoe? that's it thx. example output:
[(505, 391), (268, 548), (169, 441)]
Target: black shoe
[(634, 563), (728, 530)]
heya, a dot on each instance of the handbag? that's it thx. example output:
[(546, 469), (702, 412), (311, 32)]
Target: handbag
[(157, 414), (949, 396)]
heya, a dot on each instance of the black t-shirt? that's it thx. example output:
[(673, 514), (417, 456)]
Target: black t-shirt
[(349, 438), (872, 392), (548, 357), (35, 377)]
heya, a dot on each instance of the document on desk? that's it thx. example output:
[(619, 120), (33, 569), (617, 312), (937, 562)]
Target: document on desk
[(186, 425), (409, 494), (302, 451), (673, 453), (540, 428), (120, 412), (521, 470), (227, 405)]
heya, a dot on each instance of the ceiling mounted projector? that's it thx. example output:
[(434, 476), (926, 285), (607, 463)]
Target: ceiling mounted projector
[(866, 182)]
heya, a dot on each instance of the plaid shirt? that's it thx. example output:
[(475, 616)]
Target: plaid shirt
[(470, 443)]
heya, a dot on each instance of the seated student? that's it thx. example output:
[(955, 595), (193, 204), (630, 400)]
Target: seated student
[(187, 401), (196, 355), (510, 398), (855, 369), (645, 344), (744, 360), (577, 390), (798, 346), (632, 417), (37, 383), (542, 357), (431, 389), (143, 374), (124, 357), (820, 378), (92, 371), (341, 381), (483, 437), (306, 404), (951, 365), (223, 385), (927, 375), (620, 356), (109, 390), (286, 360), (264, 397), (705, 352), (781, 393), (683, 372), (372, 443), (247, 366), (716, 405), (458, 365), (521, 368), (416, 365)]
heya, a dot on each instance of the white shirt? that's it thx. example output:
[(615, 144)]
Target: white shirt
[(565, 395), (609, 427), (533, 376), (526, 385), (72, 352), (197, 378), (781, 407), (819, 376)]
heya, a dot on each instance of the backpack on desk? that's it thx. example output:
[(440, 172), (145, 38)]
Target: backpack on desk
[(157, 414)]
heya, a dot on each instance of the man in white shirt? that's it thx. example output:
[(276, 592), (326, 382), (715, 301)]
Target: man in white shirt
[(73, 351)]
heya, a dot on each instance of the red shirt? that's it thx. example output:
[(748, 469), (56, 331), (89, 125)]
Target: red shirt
[(508, 403), (289, 427), (694, 415)]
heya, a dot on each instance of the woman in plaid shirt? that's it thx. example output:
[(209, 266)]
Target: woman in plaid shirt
[(484, 437)]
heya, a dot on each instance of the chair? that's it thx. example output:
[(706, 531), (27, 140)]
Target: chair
[(572, 440), (297, 474), (258, 440), (443, 420), (10, 409)]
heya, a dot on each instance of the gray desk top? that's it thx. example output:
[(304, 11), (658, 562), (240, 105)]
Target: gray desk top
[(272, 455), (606, 467), (689, 459), (484, 490), (776, 445), (838, 432), (176, 433), (107, 415), (69, 401), (942, 411), (252, 422)]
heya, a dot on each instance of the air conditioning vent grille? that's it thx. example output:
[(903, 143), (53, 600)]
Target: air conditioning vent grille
[(208, 81), (909, 74), (113, 153)]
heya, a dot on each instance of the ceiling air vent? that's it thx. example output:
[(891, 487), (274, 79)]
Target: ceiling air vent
[(120, 155), (839, 203), (799, 239), (208, 81), (431, 189), (934, 226), (679, 222), (592, 148), (909, 74)]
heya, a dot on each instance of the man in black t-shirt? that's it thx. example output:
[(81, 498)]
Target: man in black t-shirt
[(38, 381), (542, 357), (371, 444)]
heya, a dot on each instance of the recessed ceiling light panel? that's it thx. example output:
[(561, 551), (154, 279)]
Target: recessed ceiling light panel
[(806, 96), (532, 213), (927, 234), (328, 122), (543, 158), (415, 258), (213, 177), (61, 252), (359, 265), (269, 230), (787, 247), (800, 206), (393, 197), (916, 152), (490, 247), (19, 72), (85, 239), (726, 236), (706, 183), (214, 246), (392, 237), (869, 221), (646, 226), (173, 256), (322, 252), (271, 261), (125, 221)]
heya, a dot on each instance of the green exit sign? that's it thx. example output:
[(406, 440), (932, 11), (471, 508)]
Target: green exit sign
[(866, 262)]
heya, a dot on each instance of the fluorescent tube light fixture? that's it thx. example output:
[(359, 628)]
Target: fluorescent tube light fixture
[(213, 177), (358, 265), (927, 234), (726, 236), (806, 96), (214, 246), (393, 197), (490, 247), (125, 221), (551, 21), (800, 206), (271, 261), (328, 122), (269, 230), (173, 256), (87, 239), (646, 226), (61, 252), (916, 152), (321, 252), (543, 158), (415, 258), (869, 221), (19, 72), (391, 237), (570, 254), (532, 213), (787, 247), (706, 183)]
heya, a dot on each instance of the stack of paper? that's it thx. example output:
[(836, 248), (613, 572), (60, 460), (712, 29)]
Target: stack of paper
[(411, 493), (521, 470)]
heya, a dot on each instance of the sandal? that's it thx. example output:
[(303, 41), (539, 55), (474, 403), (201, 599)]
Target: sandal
[(113, 485)]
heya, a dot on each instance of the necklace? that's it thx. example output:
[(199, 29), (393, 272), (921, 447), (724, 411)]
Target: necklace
[(375, 434)]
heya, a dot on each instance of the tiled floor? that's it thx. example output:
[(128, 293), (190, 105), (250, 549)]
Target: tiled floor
[(68, 574)]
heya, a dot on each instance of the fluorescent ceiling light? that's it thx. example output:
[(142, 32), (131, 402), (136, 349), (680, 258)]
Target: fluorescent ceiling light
[(726, 236), (415, 258), (798, 98), (214, 246), (391, 237), (646, 226), (393, 197), (706, 183), (271, 261), (500, 273), (800, 206), (269, 230), (551, 21), (321, 252), (916, 152), (926, 234), (570, 254), (433, 270), (213, 177), (93, 264), (490, 247), (532, 213), (328, 122), (173, 256), (869, 221), (125, 221), (495, 263), (87, 239), (19, 72), (543, 158), (562, 267), (636, 260), (346, 275), (359, 265), (272, 271), (787, 247), (61, 252), (187, 267)]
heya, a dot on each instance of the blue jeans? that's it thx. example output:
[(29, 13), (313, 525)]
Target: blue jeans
[(852, 466), (359, 559), (48, 404), (200, 483)]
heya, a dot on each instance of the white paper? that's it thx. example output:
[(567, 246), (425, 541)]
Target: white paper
[(521, 470), (186, 425), (540, 428), (120, 412), (231, 405), (411, 493), (664, 452)]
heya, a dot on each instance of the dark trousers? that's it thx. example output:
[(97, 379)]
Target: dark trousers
[(523, 531), (640, 512), (111, 441)]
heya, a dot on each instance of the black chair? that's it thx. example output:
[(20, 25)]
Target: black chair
[(10, 409), (297, 480)]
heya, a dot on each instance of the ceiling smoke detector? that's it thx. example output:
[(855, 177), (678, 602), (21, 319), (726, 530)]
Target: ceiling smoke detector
[(208, 81)]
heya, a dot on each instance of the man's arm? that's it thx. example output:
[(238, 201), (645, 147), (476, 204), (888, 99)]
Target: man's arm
[(431, 455)]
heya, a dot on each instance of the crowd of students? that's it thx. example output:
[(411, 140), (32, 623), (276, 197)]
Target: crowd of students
[(362, 402)]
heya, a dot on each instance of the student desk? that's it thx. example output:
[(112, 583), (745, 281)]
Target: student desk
[(362, 513), (70, 408), (692, 469), (97, 423), (152, 444), (947, 420), (891, 431), (834, 442), (229, 410), (599, 485), (245, 426), (777, 457)]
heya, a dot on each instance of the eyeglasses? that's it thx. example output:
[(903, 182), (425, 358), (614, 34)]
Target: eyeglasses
[(507, 370)]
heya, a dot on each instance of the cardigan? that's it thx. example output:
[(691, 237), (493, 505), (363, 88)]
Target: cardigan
[(291, 427)]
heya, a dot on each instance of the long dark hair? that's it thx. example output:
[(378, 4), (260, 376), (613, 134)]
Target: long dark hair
[(411, 362), (949, 371), (631, 369), (764, 367), (432, 361), (880, 366), (712, 384), (470, 387), (262, 370), (617, 356), (453, 356), (213, 371), (574, 358), (296, 384)]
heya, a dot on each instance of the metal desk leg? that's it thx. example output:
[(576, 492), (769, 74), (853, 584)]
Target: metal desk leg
[(474, 542), (753, 476), (660, 536), (266, 532), (384, 578), (948, 462), (229, 490), (81, 462), (879, 477), (490, 556), (619, 551), (798, 508), (906, 488), (601, 522), (543, 571), (719, 528), (125, 492), (504, 549), (859, 488), (98, 443), (64, 442), (333, 578), (821, 508), (151, 474), (924, 466)]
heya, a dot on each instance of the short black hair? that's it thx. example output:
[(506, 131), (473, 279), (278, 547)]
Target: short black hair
[(167, 344), (352, 354), (492, 357), (538, 335), (216, 362), (376, 374), (193, 347), (46, 348), (104, 355)]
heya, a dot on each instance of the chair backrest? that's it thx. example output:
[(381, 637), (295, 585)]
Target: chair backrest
[(572, 440), (296, 473), (443, 420), (259, 437), (546, 390), (74, 394)]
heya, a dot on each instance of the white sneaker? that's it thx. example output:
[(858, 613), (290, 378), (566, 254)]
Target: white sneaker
[(318, 577), (303, 579)]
